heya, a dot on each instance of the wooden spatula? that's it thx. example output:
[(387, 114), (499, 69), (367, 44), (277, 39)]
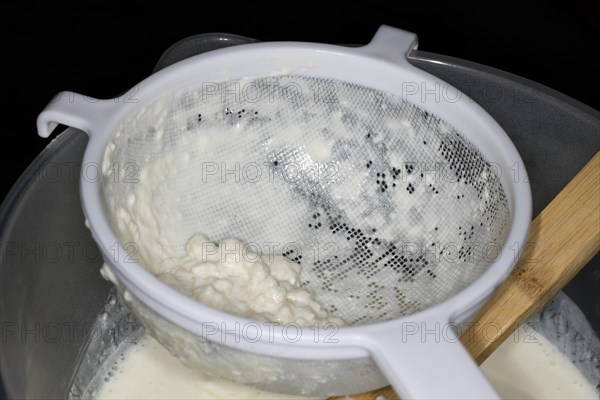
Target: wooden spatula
[(563, 238)]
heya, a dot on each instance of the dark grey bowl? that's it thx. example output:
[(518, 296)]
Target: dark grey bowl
[(51, 292)]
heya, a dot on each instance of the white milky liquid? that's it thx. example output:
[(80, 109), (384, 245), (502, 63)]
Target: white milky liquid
[(523, 367), (150, 372), (528, 366)]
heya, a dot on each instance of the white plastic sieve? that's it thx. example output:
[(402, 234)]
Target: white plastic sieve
[(384, 127)]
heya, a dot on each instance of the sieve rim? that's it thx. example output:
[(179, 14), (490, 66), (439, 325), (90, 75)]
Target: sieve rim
[(187, 312)]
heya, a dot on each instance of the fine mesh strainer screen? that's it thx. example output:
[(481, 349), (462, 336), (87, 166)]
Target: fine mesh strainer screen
[(387, 208)]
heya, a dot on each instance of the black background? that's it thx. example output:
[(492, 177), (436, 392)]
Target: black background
[(102, 50)]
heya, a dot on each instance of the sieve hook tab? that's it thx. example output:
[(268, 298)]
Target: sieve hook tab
[(391, 44), (75, 110)]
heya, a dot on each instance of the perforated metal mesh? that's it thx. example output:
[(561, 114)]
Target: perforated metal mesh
[(387, 208)]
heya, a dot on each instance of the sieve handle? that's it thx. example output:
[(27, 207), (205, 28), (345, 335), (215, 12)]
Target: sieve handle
[(427, 361), (76, 110), (391, 44)]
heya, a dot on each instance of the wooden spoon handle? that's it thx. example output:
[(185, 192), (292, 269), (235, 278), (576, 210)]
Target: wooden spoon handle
[(562, 240)]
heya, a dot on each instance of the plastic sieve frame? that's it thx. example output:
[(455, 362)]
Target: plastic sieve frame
[(411, 367)]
